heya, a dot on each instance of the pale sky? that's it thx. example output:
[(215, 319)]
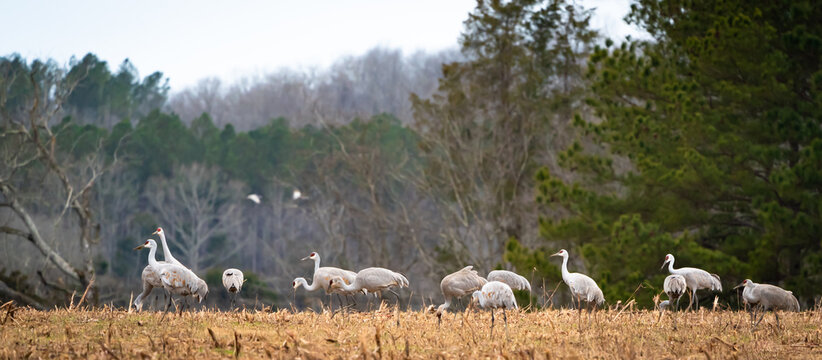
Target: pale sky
[(191, 40)]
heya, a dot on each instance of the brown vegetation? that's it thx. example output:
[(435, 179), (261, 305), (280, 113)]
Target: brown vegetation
[(112, 333)]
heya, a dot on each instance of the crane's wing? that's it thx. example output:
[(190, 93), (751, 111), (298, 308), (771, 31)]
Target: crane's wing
[(514, 280)]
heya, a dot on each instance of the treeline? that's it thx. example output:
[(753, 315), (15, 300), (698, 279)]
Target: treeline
[(376, 82), (703, 142)]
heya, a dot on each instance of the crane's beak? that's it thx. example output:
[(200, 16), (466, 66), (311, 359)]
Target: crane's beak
[(663, 265), (739, 286), (140, 247), (557, 254), (305, 258), (154, 233)]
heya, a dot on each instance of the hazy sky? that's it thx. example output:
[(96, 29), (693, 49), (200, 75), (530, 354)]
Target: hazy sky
[(191, 40)]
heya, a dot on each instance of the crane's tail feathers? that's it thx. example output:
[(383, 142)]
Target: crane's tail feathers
[(795, 303), (401, 280), (716, 284)]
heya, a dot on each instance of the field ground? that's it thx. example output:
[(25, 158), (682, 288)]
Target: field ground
[(117, 334)]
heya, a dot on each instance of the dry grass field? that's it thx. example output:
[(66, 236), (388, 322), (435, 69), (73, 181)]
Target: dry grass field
[(387, 333)]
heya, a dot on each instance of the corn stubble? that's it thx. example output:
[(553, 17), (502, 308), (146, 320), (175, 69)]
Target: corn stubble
[(113, 333)]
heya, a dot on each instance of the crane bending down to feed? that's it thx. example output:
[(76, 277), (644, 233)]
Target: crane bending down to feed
[(233, 282), (764, 297), (674, 286), (151, 278), (495, 295), (459, 284), (175, 279), (512, 279), (581, 285), (322, 279), (695, 279), (374, 280)]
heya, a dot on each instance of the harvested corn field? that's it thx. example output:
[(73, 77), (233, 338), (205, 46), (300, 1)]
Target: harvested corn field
[(387, 333)]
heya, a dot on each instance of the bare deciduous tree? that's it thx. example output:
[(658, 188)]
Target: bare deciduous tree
[(31, 98), (199, 205)]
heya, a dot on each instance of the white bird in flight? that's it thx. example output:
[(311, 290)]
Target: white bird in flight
[(695, 278), (297, 195), (254, 198)]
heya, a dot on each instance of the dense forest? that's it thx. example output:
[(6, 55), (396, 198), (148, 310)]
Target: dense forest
[(702, 140)]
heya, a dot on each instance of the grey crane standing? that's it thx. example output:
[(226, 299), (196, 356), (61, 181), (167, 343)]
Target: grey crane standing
[(495, 295), (233, 281), (151, 278), (322, 279), (581, 285), (764, 297), (175, 279), (674, 286), (374, 280), (459, 284), (695, 278)]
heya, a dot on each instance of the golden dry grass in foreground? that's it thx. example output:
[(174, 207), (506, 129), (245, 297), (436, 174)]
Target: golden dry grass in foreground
[(544, 334)]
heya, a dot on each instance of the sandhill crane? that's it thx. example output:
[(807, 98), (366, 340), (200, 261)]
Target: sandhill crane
[(374, 280), (322, 278), (582, 287), (764, 297), (495, 295), (695, 279), (512, 279), (457, 285), (297, 195), (233, 282), (175, 279), (254, 198), (674, 286), (151, 278)]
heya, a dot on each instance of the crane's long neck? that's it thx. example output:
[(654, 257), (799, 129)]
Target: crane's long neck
[(314, 285), (565, 272), (166, 250), (347, 287), (671, 267), (316, 264), (151, 259)]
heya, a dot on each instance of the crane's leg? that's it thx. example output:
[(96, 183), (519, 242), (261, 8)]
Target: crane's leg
[(339, 298), (138, 302), (696, 301), (166, 310), (492, 322), (677, 303), (690, 299), (760, 319), (579, 313), (505, 317), (777, 318), (397, 295)]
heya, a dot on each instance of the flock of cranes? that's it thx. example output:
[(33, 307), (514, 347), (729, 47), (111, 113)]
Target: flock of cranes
[(492, 292)]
